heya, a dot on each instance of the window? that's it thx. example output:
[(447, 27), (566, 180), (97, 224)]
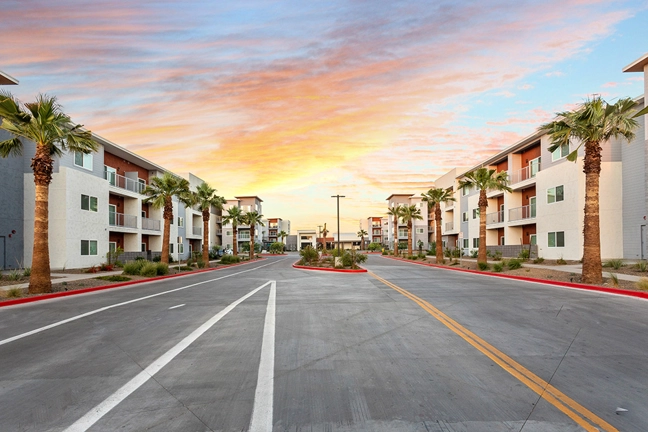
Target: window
[(502, 241), (170, 247), (180, 248), (83, 160), (402, 232), (476, 242), (555, 194), (532, 239), (143, 247), (560, 152), (464, 217), (143, 214), (88, 203), (88, 247), (110, 174), (465, 243), (419, 231), (465, 190), (556, 239), (180, 222), (475, 213), (229, 233)]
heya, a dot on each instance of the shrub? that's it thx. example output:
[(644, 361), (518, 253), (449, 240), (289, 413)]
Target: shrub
[(561, 261), (157, 258), (230, 259), (114, 278), (161, 268), (190, 262), (14, 275), (642, 284), (483, 266), (185, 268), (498, 267), (447, 253), (149, 269), (213, 252), (200, 264), (140, 258), (276, 248), (538, 260), (474, 253), (616, 264), (385, 252), (497, 256), (310, 255), (133, 267), (14, 292), (421, 256), (113, 255), (106, 267), (524, 254), (93, 269), (614, 280), (514, 264), (374, 246), (119, 264), (27, 271), (412, 257), (641, 266)]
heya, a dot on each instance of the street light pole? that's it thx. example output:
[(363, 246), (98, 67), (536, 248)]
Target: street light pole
[(338, 219)]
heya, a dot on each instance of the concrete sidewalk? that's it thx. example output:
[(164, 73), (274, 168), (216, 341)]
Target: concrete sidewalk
[(65, 277)]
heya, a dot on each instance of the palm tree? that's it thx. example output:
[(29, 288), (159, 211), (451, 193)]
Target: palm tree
[(434, 197), (408, 214), (484, 179), (44, 123), (283, 235), (396, 212), (252, 218), (160, 193), (593, 123), (206, 198), (235, 217), (362, 233)]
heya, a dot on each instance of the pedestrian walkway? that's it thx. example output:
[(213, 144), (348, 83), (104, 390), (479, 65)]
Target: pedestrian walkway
[(65, 277)]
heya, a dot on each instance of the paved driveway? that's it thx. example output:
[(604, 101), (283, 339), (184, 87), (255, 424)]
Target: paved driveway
[(265, 347)]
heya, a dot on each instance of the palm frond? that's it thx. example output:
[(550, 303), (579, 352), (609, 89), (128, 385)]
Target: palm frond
[(11, 147)]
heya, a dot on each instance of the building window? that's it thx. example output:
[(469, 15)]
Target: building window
[(475, 242), (465, 190), (143, 247), (560, 152), (532, 239), (180, 248), (555, 194), (402, 232), (170, 248), (180, 222), (88, 203), (419, 231), (465, 243), (83, 160), (475, 213), (88, 247), (464, 217), (556, 239)]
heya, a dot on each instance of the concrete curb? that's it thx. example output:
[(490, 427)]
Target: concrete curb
[(105, 287), (297, 266), (617, 291)]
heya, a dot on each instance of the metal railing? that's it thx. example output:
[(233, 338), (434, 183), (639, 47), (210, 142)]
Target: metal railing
[(520, 213), (151, 224), (525, 173), (495, 218), (122, 220), (196, 230), (122, 182), (219, 232), (449, 226)]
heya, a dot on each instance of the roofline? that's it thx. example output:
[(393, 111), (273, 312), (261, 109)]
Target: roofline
[(252, 196), (637, 65), (393, 195), (145, 163), (6, 79)]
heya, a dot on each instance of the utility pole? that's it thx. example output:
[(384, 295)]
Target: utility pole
[(338, 219)]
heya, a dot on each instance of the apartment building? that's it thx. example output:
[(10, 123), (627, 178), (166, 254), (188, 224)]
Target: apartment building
[(377, 228), (420, 228), (272, 229), (246, 204)]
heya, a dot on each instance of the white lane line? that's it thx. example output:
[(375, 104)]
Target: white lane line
[(96, 413), (105, 308), (263, 397), (177, 306)]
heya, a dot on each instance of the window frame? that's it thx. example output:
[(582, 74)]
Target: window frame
[(556, 239), (90, 200), (89, 244), (559, 152), (555, 194), (87, 160)]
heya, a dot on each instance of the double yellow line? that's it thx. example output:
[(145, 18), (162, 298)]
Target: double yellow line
[(581, 415)]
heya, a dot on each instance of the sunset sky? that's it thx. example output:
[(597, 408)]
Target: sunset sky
[(295, 101)]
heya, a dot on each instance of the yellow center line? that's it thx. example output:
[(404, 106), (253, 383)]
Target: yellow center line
[(578, 413)]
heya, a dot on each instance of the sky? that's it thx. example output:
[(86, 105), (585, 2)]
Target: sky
[(296, 101)]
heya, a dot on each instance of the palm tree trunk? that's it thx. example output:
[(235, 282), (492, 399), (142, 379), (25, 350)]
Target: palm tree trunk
[(592, 268), (439, 241), (234, 240), (251, 241), (409, 238), (40, 281), (167, 215), (395, 235), (205, 248), (483, 204)]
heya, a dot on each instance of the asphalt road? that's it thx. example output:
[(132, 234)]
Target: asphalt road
[(264, 347)]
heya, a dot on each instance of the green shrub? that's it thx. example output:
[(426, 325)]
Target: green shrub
[(538, 260), (157, 258), (161, 268), (614, 280), (310, 255), (276, 248), (374, 246), (561, 261), (498, 267), (474, 253), (149, 269), (385, 252), (524, 254), (230, 259), (514, 263), (114, 278), (14, 292), (200, 264), (497, 256), (213, 252), (616, 264), (421, 256), (483, 266), (185, 268), (447, 253), (140, 258), (641, 266), (14, 275), (119, 264), (27, 271), (642, 284), (134, 267), (412, 257)]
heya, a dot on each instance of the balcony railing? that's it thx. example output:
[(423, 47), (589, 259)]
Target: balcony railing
[(525, 173), (495, 218), (524, 212), (218, 219), (122, 182), (377, 232), (122, 220), (151, 224), (219, 232), (273, 226), (196, 231), (243, 238), (449, 226)]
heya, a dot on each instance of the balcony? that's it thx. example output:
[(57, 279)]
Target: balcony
[(449, 206), (219, 232), (197, 231), (522, 213), (122, 220), (377, 232), (151, 224), (218, 219), (526, 173), (449, 226), (243, 237), (273, 226), (495, 218), (122, 182)]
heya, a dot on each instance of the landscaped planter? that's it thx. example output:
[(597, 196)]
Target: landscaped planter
[(329, 269)]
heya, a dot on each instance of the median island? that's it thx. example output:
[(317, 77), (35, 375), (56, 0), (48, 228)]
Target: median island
[(331, 260)]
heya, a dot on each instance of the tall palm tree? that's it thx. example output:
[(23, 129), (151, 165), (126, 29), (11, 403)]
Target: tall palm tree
[(434, 197), (160, 193), (44, 123), (206, 198), (283, 235), (484, 179), (362, 233), (395, 212), (252, 218), (408, 214), (235, 217), (594, 122)]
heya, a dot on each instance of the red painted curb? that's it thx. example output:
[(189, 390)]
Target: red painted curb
[(618, 291), (105, 287), (361, 270)]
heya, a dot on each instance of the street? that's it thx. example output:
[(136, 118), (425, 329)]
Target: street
[(265, 347)]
